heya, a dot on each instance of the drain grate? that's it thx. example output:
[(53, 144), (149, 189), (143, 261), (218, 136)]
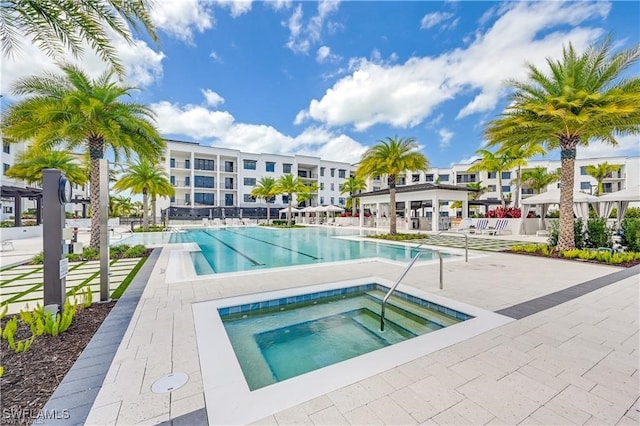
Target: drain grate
[(169, 383)]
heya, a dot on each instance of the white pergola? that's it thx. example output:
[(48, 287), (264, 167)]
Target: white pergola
[(417, 193), (581, 203), (621, 198)]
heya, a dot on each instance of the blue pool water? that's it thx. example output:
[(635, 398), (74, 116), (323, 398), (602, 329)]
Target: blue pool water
[(279, 339), (251, 248)]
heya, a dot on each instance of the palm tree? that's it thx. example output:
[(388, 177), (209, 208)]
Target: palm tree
[(29, 164), (497, 164), (584, 98), (290, 185), (120, 206), (473, 195), (538, 178), (352, 186), (54, 26), (308, 194), (75, 111), (146, 178), (600, 172), (522, 152), (266, 189), (391, 157)]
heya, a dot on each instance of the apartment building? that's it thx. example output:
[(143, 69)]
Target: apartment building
[(459, 174), (207, 176)]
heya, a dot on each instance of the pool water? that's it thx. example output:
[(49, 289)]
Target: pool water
[(252, 248), (280, 339)]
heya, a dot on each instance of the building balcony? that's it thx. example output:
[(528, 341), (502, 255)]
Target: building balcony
[(614, 177), (180, 165), (227, 169), (307, 175)]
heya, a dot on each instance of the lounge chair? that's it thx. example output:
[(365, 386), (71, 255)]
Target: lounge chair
[(480, 226), (463, 226), (500, 227)]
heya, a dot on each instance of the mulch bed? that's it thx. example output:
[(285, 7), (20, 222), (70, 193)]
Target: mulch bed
[(31, 377)]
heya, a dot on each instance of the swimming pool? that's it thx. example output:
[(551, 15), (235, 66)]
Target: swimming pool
[(275, 340), (236, 249), (229, 397)]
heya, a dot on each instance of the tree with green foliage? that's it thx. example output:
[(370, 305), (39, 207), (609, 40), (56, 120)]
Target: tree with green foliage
[(538, 178), (391, 157), (583, 98), (600, 172), (146, 178), (265, 189), (290, 185), (308, 194), (352, 186), (493, 163), (120, 206), (29, 164), (56, 26), (75, 111), (522, 152)]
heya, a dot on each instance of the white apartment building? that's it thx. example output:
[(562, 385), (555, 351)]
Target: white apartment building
[(207, 176), (628, 176)]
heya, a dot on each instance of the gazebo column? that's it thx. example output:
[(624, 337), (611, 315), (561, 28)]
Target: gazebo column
[(38, 210), (435, 219), (465, 209), (361, 217), (377, 215), (17, 210)]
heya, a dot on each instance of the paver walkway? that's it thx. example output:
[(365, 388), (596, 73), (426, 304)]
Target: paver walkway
[(475, 243)]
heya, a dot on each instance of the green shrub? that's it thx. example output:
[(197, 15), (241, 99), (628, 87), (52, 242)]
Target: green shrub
[(89, 253), (578, 234), (118, 251), (632, 213), (282, 222), (152, 228), (398, 237), (38, 259), (74, 257), (135, 251), (631, 233), (598, 235)]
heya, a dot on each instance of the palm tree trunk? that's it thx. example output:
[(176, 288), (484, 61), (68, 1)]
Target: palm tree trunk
[(268, 213), (354, 210), (566, 238), (145, 210), (516, 203), (153, 210), (504, 204), (289, 212), (392, 201), (95, 153)]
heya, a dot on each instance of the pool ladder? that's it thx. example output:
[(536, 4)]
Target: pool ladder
[(406, 270)]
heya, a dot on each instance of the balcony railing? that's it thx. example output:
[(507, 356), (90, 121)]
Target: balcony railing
[(227, 169), (180, 165)]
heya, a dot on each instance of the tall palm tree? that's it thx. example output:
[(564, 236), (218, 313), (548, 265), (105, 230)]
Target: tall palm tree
[(290, 185), (583, 98), (497, 164), (522, 152), (56, 25), (29, 164), (77, 112), (308, 194), (146, 178), (120, 206), (478, 188), (352, 186), (538, 178), (266, 189), (391, 157), (600, 172)]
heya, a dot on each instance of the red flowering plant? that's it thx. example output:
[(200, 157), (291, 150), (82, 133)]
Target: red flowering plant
[(504, 213)]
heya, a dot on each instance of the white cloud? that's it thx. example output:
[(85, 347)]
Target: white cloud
[(181, 18), (212, 98), (237, 7), (324, 55), (445, 137), (302, 37), (279, 4), (432, 19), (219, 128), (627, 145), (403, 95), (142, 64), (214, 55)]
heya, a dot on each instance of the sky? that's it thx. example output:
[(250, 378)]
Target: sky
[(332, 78)]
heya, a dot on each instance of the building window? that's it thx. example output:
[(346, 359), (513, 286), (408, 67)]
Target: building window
[(187, 181), (342, 173), (415, 178), (249, 164), (6, 148), (271, 166), (321, 200), (172, 162), (375, 178), (187, 198), (228, 199), (341, 201), (491, 188), (333, 187), (203, 182), (249, 181), (376, 188), (322, 186), (492, 175), (5, 167), (202, 164), (7, 209), (332, 200), (506, 175), (583, 171), (321, 171), (172, 179), (506, 188), (428, 178), (172, 199), (585, 186), (286, 168), (285, 199), (443, 178), (402, 181), (187, 164), (333, 172), (228, 166), (204, 198), (228, 183), (248, 198)]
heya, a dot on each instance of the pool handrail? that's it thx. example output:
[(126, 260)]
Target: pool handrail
[(404, 273), (466, 242)]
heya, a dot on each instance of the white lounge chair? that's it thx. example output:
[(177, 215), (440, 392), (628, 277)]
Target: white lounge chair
[(463, 226), (500, 227), (480, 226)]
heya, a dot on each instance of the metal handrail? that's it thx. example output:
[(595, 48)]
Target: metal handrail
[(404, 273), (466, 242)]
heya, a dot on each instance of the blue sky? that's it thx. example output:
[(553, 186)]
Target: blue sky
[(332, 78)]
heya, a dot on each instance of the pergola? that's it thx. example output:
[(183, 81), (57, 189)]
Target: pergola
[(417, 197), (18, 193)]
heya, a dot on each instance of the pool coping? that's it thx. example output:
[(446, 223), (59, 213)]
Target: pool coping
[(227, 396), (74, 396)]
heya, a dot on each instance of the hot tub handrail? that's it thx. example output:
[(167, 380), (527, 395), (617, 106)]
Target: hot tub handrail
[(404, 273), (466, 242)]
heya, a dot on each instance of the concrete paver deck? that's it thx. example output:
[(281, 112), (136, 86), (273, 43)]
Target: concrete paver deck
[(574, 363)]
